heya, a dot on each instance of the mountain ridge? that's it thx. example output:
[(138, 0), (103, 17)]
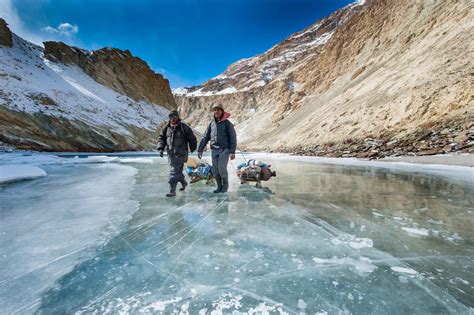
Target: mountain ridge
[(388, 71), (48, 105)]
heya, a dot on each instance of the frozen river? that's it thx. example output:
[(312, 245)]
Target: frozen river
[(97, 235)]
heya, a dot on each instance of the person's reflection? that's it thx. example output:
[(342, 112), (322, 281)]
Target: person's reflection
[(221, 213)]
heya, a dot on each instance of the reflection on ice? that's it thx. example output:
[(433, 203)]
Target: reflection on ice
[(318, 238)]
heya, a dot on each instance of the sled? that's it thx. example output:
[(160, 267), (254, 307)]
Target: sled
[(198, 170), (254, 171)]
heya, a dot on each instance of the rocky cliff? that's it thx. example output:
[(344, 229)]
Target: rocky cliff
[(64, 98), (116, 69), (375, 78), (5, 34)]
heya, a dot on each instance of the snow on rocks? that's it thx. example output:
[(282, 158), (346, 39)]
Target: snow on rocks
[(363, 264), (34, 84), (249, 73), (13, 173)]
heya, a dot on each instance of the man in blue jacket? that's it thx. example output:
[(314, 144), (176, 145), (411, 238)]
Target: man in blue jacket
[(221, 134), (176, 137)]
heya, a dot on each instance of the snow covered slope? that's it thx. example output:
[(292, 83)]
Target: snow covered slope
[(52, 106)]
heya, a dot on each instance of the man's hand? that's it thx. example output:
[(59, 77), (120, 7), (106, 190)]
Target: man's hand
[(199, 155), (232, 156), (161, 153)]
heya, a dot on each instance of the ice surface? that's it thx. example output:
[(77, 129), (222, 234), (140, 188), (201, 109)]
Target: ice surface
[(102, 238), (12, 173)]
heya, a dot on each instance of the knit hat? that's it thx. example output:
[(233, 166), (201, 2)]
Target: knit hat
[(173, 113), (218, 106)]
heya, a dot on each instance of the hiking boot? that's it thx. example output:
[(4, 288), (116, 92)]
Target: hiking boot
[(219, 185), (183, 184), (172, 192), (225, 185)]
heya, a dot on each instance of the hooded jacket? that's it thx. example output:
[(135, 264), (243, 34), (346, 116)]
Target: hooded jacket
[(177, 139), (221, 134)]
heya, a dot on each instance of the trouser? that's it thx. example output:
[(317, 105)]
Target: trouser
[(220, 158), (176, 171)]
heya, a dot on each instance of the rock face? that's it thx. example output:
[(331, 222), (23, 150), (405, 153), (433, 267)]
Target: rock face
[(66, 104), (255, 72), (379, 70), (116, 69), (5, 34)]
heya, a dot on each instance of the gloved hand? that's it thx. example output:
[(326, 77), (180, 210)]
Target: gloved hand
[(232, 156), (161, 153), (199, 154)]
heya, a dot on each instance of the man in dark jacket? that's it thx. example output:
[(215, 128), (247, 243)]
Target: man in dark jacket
[(221, 134), (176, 137)]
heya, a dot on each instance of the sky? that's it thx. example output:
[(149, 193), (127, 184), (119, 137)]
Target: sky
[(188, 41)]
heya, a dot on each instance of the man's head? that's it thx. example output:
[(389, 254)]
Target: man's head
[(173, 116), (218, 110)]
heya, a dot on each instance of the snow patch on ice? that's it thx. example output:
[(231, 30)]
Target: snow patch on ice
[(302, 304), (13, 173), (352, 241), (363, 264), (359, 243), (160, 305), (404, 270), (229, 242), (226, 301), (416, 232)]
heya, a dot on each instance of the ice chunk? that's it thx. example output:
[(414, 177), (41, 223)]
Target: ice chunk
[(12, 173)]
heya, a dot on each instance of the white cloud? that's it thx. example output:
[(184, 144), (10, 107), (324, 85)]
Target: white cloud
[(10, 15), (66, 29)]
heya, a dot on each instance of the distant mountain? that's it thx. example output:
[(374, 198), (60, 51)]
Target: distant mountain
[(258, 71), (375, 78), (62, 98)]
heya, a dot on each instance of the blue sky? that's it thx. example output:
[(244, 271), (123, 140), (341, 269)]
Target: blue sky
[(188, 41)]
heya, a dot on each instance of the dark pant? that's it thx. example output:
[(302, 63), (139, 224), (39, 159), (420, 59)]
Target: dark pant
[(176, 170), (220, 158)]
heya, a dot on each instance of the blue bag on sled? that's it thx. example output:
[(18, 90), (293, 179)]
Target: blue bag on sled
[(198, 170)]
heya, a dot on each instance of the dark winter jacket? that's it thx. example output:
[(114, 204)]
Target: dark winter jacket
[(221, 135), (176, 140)]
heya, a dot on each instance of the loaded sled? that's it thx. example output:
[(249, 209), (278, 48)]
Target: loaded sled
[(254, 171), (198, 170)]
